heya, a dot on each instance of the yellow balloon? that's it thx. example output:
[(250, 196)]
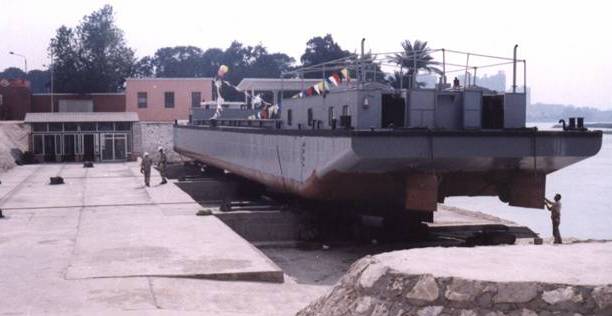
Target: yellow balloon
[(223, 69)]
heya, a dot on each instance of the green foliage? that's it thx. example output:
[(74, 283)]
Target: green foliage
[(189, 61), (93, 57), (40, 80), (414, 58), (322, 49)]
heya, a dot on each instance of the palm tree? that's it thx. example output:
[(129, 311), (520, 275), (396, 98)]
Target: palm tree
[(414, 58)]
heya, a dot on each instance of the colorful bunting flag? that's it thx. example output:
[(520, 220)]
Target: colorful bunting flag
[(345, 73), (321, 87), (310, 91)]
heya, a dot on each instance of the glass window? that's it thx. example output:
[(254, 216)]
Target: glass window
[(196, 98), (169, 99), (330, 115), (289, 117), (70, 127), (88, 126), (142, 99), (310, 117), (123, 126), (105, 126), (39, 127), (55, 127), (38, 144)]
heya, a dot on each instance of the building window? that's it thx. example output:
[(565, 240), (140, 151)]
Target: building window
[(55, 127), (39, 127), (123, 126), (289, 117), (70, 127), (142, 99), (88, 126), (330, 115), (310, 117), (169, 99), (196, 98), (105, 126)]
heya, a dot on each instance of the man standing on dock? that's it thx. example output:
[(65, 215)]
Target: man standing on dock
[(161, 165), (555, 216), (145, 168)]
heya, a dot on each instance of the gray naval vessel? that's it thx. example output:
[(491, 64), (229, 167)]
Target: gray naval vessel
[(355, 138)]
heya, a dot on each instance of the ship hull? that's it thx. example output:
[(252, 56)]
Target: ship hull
[(412, 168)]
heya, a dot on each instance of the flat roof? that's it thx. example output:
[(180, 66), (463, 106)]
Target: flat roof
[(60, 117), (271, 84)]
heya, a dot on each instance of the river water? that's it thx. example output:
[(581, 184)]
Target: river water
[(586, 188)]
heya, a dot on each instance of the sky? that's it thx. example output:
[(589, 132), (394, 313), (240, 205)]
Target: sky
[(567, 44)]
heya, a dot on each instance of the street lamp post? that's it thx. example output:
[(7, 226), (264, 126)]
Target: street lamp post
[(25, 61), (50, 66)]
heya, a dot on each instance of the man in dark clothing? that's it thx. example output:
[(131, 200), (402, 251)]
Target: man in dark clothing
[(161, 165), (145, 168), (555, 216)]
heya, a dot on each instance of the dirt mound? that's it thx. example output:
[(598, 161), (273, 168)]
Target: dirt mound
[(13, 142)]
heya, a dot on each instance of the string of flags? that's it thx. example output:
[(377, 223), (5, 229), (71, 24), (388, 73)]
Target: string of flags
[(323, 86)]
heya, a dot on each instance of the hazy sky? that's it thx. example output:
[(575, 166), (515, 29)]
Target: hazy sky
[(567, 44)]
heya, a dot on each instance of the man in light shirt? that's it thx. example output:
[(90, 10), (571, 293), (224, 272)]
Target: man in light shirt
[(555, 216)]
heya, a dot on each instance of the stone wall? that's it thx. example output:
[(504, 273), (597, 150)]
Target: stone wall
[(14, 141), (148, 136), (371, 288)]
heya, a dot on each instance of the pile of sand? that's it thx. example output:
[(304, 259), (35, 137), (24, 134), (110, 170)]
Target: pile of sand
[(13, 142)]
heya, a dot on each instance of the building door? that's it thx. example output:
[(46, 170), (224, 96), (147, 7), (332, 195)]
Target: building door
[(114, 147), (393, 108), (107, 147), (49, 147), (69, 147), (120, 146), (88, 147)]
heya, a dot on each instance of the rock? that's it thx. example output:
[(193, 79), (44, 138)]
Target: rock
[(516, 292), (372, 274), (468, 312), (463, 290), (380, 310), (528, 312), (561, 295), (603, 296), (363, 304), (430, 311), (426, 289)]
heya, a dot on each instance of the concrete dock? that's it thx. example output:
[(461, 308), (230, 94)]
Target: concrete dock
[(104, 243)]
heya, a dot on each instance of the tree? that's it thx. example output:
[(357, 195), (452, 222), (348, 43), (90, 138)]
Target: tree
[(40, 80), (189, 61), (93, 57), (179, 61), (414, 58), (144, 68), (13, 73), (320, 50)]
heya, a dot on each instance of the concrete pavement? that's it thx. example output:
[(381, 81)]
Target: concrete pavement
[(103, 243)]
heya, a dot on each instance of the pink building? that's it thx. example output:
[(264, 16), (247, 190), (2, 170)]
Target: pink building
[(166, 99)]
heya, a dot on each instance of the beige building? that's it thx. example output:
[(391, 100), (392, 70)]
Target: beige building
[(166, 99)]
